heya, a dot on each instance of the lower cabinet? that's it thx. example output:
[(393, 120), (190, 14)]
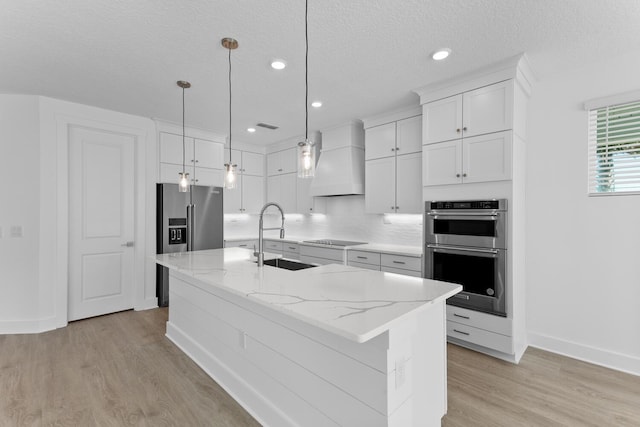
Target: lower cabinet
[(318, 255), (246, 244), (478, 328), (391, 263)]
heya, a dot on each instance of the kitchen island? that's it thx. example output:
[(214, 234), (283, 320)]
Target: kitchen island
[(330, 345)]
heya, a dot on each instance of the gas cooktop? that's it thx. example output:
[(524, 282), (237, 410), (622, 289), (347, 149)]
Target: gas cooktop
[(331, 242)]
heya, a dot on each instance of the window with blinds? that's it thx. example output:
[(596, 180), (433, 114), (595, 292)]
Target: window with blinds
[(614, 149)]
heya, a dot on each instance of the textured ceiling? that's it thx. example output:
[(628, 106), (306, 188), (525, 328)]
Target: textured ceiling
[(365, 56)]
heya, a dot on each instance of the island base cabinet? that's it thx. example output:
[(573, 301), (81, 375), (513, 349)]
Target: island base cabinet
[(286, 372)]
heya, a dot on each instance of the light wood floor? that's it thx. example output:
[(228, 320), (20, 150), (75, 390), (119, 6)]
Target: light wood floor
[(120, 370)]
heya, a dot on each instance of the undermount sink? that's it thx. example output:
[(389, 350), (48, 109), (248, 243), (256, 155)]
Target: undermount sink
[(288, 264)]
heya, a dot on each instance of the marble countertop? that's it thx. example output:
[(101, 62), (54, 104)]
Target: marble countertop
[(350, 302)]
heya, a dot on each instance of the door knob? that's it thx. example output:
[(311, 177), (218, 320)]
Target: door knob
[(127, 244)]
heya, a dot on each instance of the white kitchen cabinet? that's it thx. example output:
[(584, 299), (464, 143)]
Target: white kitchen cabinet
[(320, 255), (395, 138), (393, 184), (246, 244), (281, 189), (203, 160), (282, 162), (476, 159), (477, 112), (246, 162), (248, 196), (393, 167), (305, 203), (380, 185), (380, 261)]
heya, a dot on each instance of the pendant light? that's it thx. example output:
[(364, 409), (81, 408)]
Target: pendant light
[(230, 168), (306, 149), (183, 184)]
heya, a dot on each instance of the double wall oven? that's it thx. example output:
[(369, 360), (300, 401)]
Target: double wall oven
[(466, 243)]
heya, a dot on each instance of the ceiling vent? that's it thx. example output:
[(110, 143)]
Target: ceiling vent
[(267, 126)]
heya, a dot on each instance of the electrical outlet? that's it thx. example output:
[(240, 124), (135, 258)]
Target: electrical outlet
[(15, 231)]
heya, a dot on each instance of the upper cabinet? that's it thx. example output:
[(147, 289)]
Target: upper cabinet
[(283, 161), (467, 136), (393, 165), (203, 159), (484, 110), (248, 196)]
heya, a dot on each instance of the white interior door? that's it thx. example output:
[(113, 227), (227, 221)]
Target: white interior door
[(101, 222)]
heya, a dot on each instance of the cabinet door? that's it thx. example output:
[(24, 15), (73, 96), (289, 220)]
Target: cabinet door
[(274, 189), (274, 164), (206, 176), (305, 202), (488, 109), (409, 183), (288, 183), (232, 200), (442, 120), (290, 160), (208, 154), (380, 141), (171, 149), (169, 173), (442, 163), (380, 185), (252, 193), (409, 135), (252, 163), (487, 157), (236, 158)]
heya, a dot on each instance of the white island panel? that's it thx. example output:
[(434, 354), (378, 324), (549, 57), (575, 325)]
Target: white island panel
[(290, 348)]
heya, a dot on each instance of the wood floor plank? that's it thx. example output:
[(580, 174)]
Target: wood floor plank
[(120, 370)]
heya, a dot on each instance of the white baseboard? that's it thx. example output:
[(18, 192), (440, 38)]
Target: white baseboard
[(35, 326), (597, 356)]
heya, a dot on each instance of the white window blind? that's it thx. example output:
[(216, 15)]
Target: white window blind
[(614, 149)]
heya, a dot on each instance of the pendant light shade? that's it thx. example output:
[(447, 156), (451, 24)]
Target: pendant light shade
[(230, 168), (306, 148), (183, 183)]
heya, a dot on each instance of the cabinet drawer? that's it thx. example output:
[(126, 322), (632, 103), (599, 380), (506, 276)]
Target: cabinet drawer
[(291, 247), (488, 322), (364, 257), (335, 256), (401, 261), (481, 337), (272, 245), (401, 271), (247, 244), (315, 260), (365, 266)]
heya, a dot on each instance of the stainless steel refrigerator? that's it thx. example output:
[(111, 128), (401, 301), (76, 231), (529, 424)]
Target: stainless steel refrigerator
[(189, 221)]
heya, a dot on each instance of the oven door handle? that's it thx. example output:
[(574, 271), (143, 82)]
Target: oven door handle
[(441, 248), (462, 215)]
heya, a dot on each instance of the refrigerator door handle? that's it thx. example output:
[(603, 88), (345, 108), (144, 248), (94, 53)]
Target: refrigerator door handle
[(192, 226), (189, 226)]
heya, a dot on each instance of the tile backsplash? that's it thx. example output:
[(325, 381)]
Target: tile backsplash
[(345, 219)]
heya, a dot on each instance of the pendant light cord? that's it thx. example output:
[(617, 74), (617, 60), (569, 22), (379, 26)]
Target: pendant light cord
[(183, 154), (230, 162), (306, 71)]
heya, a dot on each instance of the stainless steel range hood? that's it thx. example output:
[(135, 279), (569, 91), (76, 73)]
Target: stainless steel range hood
[(340, 169)]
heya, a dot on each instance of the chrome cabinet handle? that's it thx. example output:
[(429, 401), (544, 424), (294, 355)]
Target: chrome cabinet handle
[(399, 262), (464, 175), (464, 129), (393, 149), (458, 130), (127, 244), (362, 257), (461, 332), (461, 316), (457, 175)]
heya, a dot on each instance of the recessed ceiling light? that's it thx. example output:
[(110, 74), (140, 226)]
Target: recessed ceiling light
[(278, 64), (251, 130), (316, 104), (440, 54)]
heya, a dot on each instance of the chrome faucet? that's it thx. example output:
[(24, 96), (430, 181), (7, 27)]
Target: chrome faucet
[(260, 253)]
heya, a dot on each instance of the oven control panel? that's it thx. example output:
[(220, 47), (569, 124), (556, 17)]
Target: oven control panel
[(470, 204)]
